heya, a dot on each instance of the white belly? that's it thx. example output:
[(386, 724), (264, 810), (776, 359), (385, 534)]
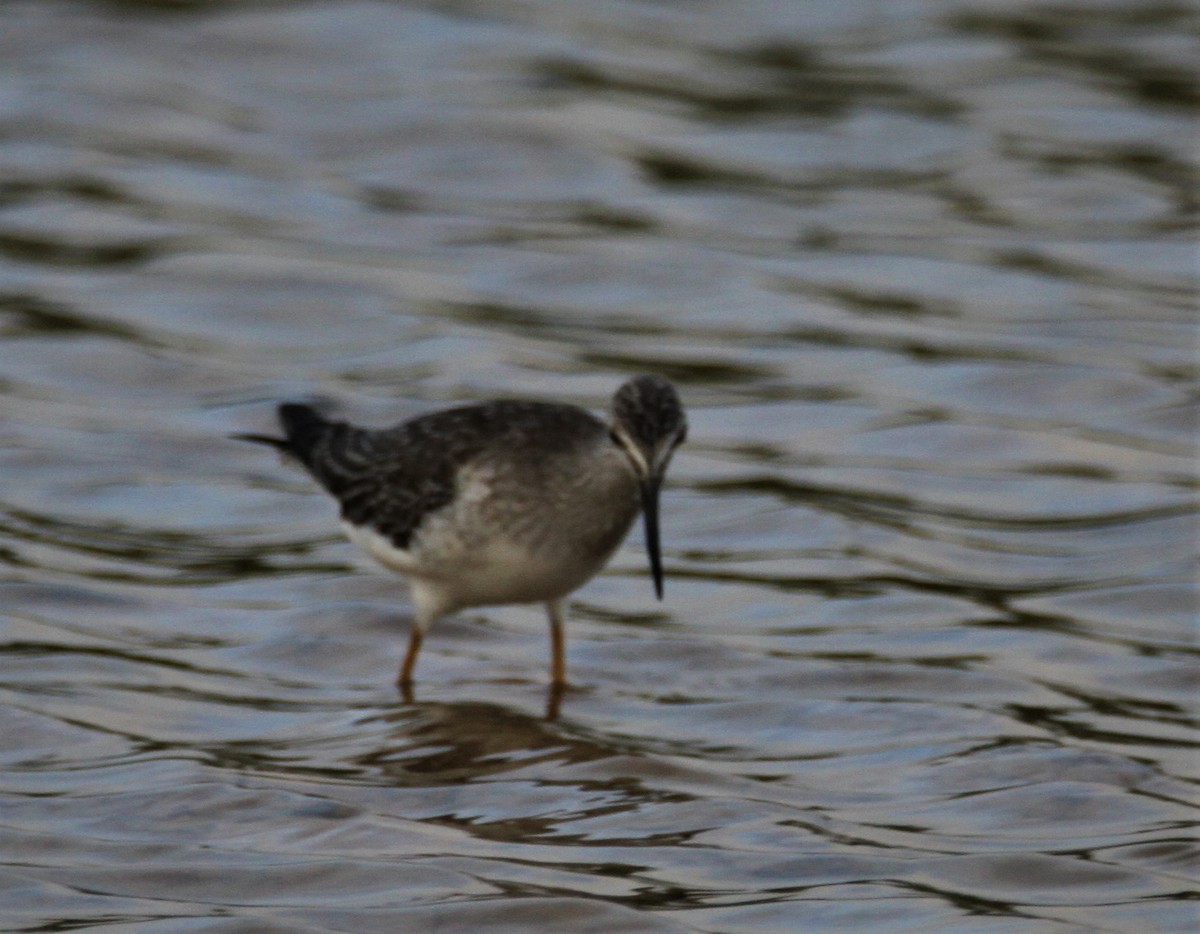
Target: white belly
[(486, 574)]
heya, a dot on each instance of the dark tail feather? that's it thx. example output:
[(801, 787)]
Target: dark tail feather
[(302, 427), (278, 443)]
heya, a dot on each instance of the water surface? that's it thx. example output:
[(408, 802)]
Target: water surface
[(925, 275)]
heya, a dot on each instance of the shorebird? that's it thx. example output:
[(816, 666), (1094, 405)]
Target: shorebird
[(495, 503)]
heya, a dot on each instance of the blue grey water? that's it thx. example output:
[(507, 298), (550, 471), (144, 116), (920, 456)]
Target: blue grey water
[(925, 275)]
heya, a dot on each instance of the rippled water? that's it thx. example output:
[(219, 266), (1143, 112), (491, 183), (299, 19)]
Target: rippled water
[(924, 273)]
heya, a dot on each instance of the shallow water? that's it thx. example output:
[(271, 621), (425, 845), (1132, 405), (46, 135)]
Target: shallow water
[(925, 275)]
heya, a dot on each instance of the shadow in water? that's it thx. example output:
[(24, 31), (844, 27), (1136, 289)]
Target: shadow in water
[(444, 742), (459, 755), (554, 697)]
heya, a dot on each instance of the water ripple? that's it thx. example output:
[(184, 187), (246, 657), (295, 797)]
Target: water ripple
[(925, 279)]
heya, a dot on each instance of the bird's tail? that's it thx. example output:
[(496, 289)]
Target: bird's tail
[(277, 443), (302, 427)]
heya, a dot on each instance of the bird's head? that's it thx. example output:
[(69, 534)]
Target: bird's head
[(648, 424)]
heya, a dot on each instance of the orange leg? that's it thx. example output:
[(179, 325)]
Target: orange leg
[(558, 665), (410, 658)]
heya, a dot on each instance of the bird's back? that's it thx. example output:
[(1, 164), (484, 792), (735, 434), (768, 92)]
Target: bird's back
[(393, 480)]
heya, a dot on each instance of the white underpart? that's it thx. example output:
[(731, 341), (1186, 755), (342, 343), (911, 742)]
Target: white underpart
[(496, 573), (456, 561)]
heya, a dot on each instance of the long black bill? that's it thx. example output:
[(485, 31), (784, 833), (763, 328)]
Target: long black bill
[(650, 520)]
